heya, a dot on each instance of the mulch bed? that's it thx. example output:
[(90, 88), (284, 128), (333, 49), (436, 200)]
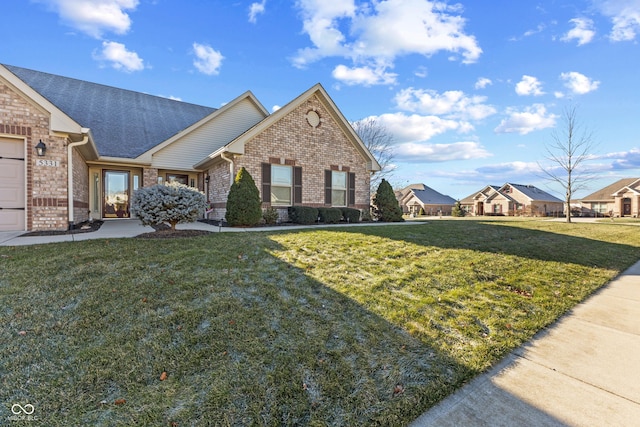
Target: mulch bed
[(85, 227)]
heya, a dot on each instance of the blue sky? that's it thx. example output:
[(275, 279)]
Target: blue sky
[(471, 91)]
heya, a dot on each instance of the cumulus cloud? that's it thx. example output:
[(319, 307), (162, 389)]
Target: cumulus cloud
[(624, 15), (256, 9), (451, 104), (624, 160), (381, 31), (95, 17), (529, 85), (531, 119), (208, 60), (413, 128), (119, 57), (431, 153), (582, 31), (366, 76), (579, 84), (482, 83)]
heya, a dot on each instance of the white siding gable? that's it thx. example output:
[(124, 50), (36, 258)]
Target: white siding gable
[(191, 148)]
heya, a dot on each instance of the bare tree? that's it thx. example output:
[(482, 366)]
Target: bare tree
[(380, 143), (570, 147)]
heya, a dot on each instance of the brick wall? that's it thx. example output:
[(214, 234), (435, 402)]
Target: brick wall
[(80, 188), (46, 186), (315, 149)]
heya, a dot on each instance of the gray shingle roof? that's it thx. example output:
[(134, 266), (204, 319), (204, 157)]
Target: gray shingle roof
[(429, 196), (123, 123), (534, 193)]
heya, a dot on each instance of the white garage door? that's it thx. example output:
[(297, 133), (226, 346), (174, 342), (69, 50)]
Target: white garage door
[(12, 206)]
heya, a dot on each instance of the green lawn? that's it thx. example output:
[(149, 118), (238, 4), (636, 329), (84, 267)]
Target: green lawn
[(343, 326)]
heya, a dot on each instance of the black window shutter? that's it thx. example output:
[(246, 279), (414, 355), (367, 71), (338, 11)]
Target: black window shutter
[(266, 182), (297, 185), (351, 194), (327, 187)]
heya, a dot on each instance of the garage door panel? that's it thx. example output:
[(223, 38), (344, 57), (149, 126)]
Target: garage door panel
[(12, 186)]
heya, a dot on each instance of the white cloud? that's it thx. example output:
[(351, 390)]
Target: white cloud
[(482, 83), (579, 84), (582, 31), (431, 153), (625, 17), (366, 76), (452, 104), (208, 60), (256, 9), (95, 17), (383, 30), (531, 119), (413, 128), (529, 85), (119, 57)]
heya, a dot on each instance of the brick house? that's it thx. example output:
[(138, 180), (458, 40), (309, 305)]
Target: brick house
[(418, 199), (102, 143), (512, 199), (622, 198)]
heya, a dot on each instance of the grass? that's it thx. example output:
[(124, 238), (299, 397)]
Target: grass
[(344, 326)]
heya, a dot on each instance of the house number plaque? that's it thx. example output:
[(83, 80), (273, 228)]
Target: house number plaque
[(51, 163)]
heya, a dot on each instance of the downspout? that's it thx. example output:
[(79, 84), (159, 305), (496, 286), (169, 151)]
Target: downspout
[(70, 147), (231, 177)]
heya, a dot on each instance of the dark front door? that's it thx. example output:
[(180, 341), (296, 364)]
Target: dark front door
[(626, 206)]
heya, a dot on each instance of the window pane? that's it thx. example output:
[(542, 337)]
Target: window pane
[(339, 197), (280, 195), (339, 180), (281, 175)]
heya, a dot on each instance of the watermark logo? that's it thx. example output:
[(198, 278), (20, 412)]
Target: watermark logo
[(23, 413)]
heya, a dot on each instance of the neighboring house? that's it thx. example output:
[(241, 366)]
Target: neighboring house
[(622, 198), (512, 199), (102, 143), (417, 199)]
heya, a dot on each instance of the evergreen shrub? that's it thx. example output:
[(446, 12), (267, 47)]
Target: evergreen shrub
[(303, 214), (244, 207), (170, 203)]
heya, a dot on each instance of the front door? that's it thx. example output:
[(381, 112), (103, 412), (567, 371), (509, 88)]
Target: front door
[(116, 194), (626, 206)]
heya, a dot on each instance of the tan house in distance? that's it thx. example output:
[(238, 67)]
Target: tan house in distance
[(418, 199), (513, 200), (72, 150), (622, 198)]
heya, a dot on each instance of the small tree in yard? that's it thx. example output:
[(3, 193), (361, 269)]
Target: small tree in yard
[(243, 202), (457, 210), (171, 203), (387, 207)]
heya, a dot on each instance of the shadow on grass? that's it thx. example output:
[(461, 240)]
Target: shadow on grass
[(245, 339)]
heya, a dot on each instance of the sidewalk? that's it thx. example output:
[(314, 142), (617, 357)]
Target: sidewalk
[(133, 227), (582, 371)]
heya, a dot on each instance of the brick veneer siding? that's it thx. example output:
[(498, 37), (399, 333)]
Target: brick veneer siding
[(293, 139), (46, 186), (149, 177)]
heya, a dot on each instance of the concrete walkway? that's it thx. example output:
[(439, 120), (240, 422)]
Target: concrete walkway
[(582, 371)]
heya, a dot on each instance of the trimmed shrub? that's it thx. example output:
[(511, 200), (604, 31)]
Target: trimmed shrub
[(244, 207), (330, 215), (303, 214), (270, 215), (387, 207), (351, 215), (170, 203)]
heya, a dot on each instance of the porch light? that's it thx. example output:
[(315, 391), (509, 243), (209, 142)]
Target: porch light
[(207, 179), (41, 148)]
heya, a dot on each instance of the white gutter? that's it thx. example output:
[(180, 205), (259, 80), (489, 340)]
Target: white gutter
[(231, 177), (70, 147)]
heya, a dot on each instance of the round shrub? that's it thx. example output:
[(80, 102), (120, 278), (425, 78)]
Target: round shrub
[(170, 203)]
